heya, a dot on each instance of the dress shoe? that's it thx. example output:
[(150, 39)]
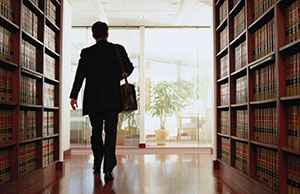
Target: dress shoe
[(108, 177)]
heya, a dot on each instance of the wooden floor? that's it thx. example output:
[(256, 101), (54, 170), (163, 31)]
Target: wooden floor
[(138, 174)]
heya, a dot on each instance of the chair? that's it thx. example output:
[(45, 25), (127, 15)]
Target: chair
[(188, 125)]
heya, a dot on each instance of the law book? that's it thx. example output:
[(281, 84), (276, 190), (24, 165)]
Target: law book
[(50, 122), (45, 153), (45, 123)]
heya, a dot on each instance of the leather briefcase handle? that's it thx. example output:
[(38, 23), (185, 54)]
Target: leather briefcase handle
[(124, 74)]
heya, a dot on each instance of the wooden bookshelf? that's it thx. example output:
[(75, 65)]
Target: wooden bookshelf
[(23, 104), (272, 105)]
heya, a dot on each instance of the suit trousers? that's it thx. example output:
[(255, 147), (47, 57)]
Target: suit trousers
[(106, 149)]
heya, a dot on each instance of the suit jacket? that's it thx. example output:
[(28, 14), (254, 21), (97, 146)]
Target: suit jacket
[(100, 67)]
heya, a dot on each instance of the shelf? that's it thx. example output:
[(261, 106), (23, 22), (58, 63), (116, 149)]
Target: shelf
[(30, 140), (51, 136), (236, 8), (290, 48), (8, 24), (31, 106), (223, 135), (223, 52), (290, 98), (51, 108), (239, 73), (31, 39), (264, 102), (239, 139), (219, 2), (238, 40), (262, 61), (33, 7), (31, 73), (222, 25), (284, 3), (223, 80), (244, 105), (52, 25), (223, 107), (52, 53), (8, 64), (53, 81), (57, 2), (5, 145), (8, 104), (291, 150), (261, 20), (271, 146)]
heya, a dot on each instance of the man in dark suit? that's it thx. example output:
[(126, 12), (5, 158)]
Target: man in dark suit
[(100, 67)]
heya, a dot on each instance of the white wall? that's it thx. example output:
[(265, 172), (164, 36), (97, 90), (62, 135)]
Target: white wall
[(65, 79)]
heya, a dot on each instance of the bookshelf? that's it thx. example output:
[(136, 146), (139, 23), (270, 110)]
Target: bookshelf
[(30, 60), (258, 91)]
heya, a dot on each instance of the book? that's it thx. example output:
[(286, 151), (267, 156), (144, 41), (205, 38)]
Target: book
[(267, 168), (225, 150), (225, 122), (224, 94)]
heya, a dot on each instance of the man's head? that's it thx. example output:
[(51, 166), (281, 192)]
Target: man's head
[(100, 30)]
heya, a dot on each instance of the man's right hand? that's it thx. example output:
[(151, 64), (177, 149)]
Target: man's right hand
[(73, 103)]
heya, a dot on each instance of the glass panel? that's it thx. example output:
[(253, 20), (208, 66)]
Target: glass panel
[(179, 90)]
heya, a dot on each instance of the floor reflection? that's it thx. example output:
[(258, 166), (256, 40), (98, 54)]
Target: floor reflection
[(142, 174)]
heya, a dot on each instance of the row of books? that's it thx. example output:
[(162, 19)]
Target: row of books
[(292, 74), (35, 2), (28, 56), (224, 38), (6, 126), (223, 11), (29, 93), (241, 90), (264, 86), (6, 44), (50, 38), (49, 95), (293, 174), (235, 2), (7, 9), (28, 124), (225, 150), (225, 122), (294, 127), (5, 166), (224, 95), (260, 7), (224, 66), (241, 157), (292, 24), (49, 68), (264, 40), (239, 23), (51, 11), (241, 128), (267, 168), (48, 123), (30, 22), (265, 125), (48, 151), (6, 85), (27, 158), (240, 56)]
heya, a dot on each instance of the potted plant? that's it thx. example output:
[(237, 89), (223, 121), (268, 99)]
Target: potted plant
[(166, 98)]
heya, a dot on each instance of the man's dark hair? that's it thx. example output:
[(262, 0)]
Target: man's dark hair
[(99, 30)]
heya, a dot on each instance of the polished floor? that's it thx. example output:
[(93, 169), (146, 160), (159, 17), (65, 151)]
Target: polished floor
[(138, 174)]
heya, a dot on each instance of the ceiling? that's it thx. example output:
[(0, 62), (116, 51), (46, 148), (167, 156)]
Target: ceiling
[(142, 12)]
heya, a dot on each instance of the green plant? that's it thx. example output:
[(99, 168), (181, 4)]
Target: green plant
[(166, 98)]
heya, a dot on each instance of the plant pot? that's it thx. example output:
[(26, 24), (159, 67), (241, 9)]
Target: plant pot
[(121, 137), (161, 135)]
